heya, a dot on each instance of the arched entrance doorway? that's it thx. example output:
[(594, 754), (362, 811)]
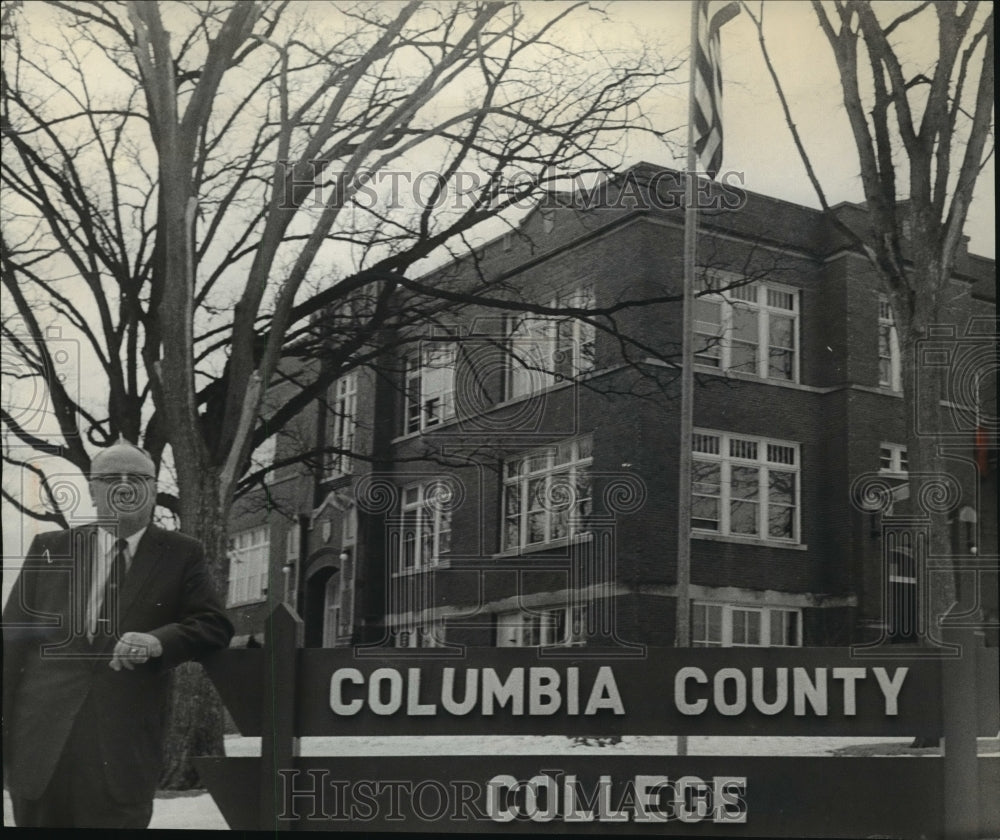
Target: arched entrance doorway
[(322, 592)]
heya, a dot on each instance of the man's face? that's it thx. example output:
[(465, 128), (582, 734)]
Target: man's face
[(123, 488)]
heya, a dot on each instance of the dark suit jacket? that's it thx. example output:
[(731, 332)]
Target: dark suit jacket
[(50, 667)]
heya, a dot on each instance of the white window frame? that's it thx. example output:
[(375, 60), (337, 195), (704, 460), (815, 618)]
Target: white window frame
[(349, 529), (249, 566), (730, 617), (901, 591), (332, 612), (893, 459), (429, 385), (714, 342), (345, 593), (559, 626), (425, 534), (342, 397), (723, 455), (896, 573), (348, 567), (292, 538), (890, 373), (544, 350), (545, 469)]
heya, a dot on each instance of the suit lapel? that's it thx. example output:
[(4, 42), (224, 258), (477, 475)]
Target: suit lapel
[(147, 555)]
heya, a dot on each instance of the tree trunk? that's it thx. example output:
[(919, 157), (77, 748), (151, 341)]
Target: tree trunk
[(196, 720), (934, 491), (195, 727)]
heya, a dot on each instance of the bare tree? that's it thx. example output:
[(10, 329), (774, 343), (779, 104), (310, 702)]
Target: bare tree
[(922, 130), (179, 179)]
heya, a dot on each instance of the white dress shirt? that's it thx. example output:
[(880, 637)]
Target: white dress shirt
[(104, 552)]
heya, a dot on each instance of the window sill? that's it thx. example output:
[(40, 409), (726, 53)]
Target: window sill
[(250, 603), (426, 430), (336, 478), (564, 382), (697, 535), (751, 377), (420, 570), (538, 548)]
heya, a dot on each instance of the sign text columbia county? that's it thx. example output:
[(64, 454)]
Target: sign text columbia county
[(545, 690), (710, 691)]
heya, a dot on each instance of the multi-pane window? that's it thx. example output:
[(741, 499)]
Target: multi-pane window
[(892, 458), (331, 618), (339, 617), (748, 327), (343, 402), (547, 494), (561, 626), (292, 547), (249, 552), (430, 385), (743, 486), (545, 350), (733, 625), (427, 635), (426, 526), (889, 370), (345, 594)]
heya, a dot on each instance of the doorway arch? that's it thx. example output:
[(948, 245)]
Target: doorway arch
[(322, 578)]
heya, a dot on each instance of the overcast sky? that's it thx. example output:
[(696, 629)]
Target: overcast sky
[(757, 140)]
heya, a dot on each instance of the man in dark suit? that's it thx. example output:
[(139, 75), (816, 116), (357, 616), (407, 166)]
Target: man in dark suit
[(96, 619)]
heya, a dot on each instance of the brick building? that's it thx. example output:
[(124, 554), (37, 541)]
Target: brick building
[(510, 477)]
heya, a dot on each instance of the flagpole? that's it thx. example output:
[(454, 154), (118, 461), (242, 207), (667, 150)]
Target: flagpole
[(683, 631)]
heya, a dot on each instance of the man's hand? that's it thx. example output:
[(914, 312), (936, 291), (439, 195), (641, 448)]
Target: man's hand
[(134, 649)]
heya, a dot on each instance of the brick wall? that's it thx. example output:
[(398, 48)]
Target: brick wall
[(835, 412)]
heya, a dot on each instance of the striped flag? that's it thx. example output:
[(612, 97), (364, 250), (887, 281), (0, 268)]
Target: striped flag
[(712, 15)]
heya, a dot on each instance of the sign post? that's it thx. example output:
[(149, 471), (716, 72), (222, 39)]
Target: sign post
[(961, 762), (279, 746)]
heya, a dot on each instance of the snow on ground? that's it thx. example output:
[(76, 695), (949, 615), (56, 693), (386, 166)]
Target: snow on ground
[(558, 744), (196, 810)]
